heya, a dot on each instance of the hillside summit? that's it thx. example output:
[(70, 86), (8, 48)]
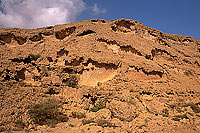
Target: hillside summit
[(99, 76)]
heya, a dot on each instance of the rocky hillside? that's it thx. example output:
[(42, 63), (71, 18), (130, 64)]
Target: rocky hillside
[(99, 76)]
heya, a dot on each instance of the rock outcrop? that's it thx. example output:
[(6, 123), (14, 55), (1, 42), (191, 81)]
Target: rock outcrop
[(140, 79)]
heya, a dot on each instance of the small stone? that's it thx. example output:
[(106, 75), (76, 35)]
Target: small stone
[(116, 122), (30, 126)]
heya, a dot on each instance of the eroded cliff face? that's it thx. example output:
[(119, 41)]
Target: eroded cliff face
[(135, 72)]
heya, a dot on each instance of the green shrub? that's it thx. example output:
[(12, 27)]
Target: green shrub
[(97, 107), (71, 125), (34, 56), (47, 112)]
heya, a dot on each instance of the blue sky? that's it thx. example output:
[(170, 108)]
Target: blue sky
[(170, 16)]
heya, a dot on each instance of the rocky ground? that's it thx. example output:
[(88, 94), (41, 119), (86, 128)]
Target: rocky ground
[(99, 76)]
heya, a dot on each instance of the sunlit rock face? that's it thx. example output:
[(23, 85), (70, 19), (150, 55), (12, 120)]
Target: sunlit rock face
[(117, 75)]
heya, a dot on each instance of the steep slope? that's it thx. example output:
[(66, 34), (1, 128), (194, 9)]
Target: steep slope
[(144, 79)]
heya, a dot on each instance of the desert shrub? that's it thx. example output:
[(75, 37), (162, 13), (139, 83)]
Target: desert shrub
[(97, 107), (71, 81), (34, 56), (71, 125), (47, 112)]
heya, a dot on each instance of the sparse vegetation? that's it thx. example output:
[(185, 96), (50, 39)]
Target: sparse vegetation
[(71, 125), (47, 112), (34, 56), (198, 115), (97, 107)]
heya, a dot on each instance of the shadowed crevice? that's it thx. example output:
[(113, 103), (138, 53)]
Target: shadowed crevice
[(87, 32), (64, 32), (154, 72)]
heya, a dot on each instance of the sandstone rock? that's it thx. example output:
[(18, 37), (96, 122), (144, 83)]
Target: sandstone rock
[(148, 79), (122, 110), (116, 122), (103, 114)]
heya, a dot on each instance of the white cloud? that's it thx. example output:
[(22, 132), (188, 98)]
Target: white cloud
[(39, 13), (98, 10)]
